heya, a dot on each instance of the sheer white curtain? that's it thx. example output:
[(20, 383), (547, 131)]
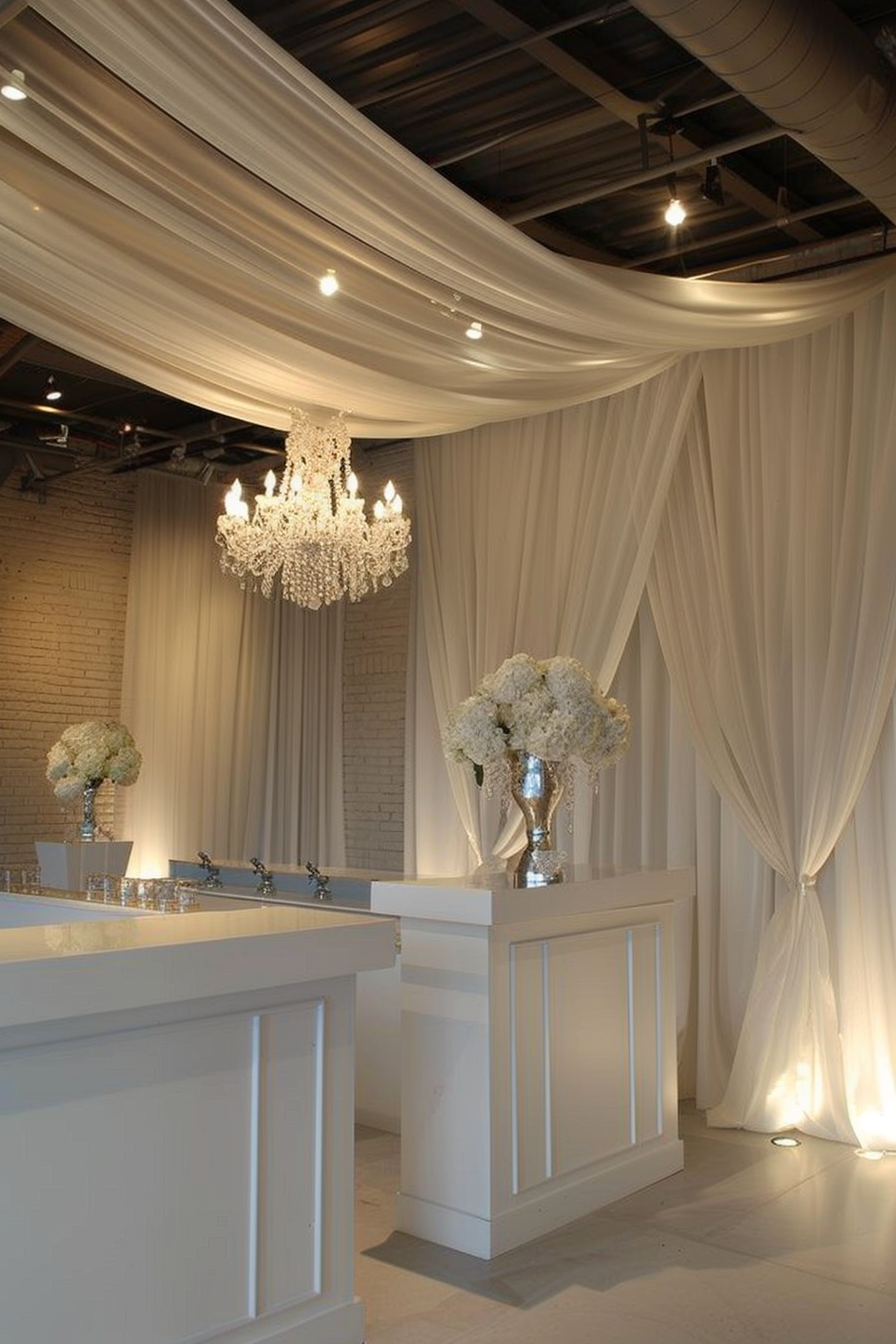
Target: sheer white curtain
[(864, 865), (533, 536), (774, 589), (235, 701)]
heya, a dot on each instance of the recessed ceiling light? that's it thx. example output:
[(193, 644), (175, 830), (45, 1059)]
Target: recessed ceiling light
[(52, 392), (474, 331), (786, 1141), (328, 284)]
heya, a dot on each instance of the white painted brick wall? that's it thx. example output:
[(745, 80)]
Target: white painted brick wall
[(375, 662), (63, 592)]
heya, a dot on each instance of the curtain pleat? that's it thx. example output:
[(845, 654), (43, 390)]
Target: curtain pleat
[(774, 589), (235, 700), (534, 536)]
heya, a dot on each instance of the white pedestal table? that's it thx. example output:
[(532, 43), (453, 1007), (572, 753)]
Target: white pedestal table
[(538, 1051)]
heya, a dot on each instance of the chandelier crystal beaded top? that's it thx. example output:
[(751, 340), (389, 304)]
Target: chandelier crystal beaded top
[(312, 532)]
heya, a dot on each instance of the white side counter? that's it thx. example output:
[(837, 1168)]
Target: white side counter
[(538, 1051), (176, 1126)]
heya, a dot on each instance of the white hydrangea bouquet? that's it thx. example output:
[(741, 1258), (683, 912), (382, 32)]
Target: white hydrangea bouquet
[(89, 753), (553, 709)]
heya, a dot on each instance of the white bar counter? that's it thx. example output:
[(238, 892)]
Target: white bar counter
[(176, 1123), (538, 1050)]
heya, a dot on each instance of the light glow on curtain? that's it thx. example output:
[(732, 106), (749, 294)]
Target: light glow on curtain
[(774, 589), (235, 702)]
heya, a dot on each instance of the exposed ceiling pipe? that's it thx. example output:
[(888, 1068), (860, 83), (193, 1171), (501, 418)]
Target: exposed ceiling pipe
[(807, 67), (597, 191), (684, 245)]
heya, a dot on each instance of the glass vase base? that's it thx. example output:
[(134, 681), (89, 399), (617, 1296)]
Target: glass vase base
[(536, 867)]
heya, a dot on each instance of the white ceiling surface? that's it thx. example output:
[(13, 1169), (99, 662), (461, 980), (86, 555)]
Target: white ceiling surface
[(174, 186)]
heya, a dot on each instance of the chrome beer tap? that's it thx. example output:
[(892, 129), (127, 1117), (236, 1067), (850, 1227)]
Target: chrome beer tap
[(212, 873), (322, 890), (266, 885)]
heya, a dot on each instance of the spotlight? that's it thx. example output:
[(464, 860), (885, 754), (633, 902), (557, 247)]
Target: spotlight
[(785, 1141), (51, 391), (328, 284), (474, 331), (14, 87)]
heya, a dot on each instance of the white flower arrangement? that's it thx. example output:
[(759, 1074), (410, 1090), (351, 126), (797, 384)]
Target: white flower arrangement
[(89, 753), (552, 709)]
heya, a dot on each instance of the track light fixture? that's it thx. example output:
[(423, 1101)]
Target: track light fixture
[(711, 189), (14, 87), (675, 212), (51, 391)]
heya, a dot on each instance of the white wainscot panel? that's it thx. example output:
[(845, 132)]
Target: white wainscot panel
[(538, 1053), (174, 1145), (585, 1049)]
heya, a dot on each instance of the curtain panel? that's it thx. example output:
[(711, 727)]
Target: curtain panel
[(534, 536), (234, 700), (774, 589)]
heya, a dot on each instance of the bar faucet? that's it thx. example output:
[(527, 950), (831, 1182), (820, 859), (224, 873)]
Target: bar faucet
[(212, 873), (322, 890), (266, 885)]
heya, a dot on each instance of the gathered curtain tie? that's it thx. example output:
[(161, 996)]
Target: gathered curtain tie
[(806, 884)]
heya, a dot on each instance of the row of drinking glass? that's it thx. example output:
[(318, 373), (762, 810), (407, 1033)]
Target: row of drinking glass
[(142, 893), (25, 880)]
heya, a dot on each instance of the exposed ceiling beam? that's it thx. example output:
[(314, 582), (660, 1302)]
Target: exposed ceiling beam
[(596, 191), (600, 14), (581, 77), (684, 245)]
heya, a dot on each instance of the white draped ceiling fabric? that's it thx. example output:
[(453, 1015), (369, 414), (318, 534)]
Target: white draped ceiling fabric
[(172, 189), (174, 185)]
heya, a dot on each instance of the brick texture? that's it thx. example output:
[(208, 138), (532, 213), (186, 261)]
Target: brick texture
[(64, 557), (375, 665)]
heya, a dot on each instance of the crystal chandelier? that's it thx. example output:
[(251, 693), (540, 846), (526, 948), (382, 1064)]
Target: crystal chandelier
[(313, 531)]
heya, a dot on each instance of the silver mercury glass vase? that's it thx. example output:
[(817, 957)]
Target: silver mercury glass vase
[(87, 826), (536, 788)]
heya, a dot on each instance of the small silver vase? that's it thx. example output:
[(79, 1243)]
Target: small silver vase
[(536, 788), (87, 826)]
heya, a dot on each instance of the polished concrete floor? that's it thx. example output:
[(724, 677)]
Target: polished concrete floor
[(749, 1244)]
